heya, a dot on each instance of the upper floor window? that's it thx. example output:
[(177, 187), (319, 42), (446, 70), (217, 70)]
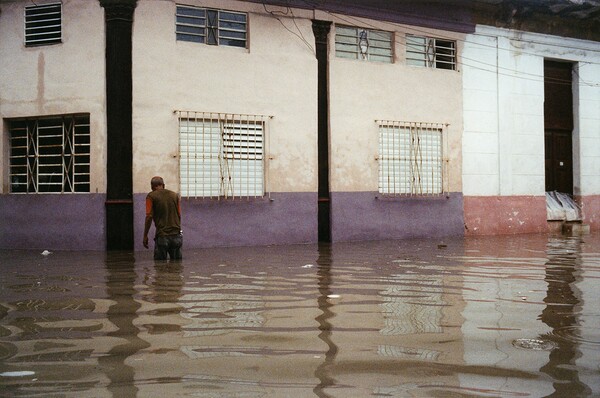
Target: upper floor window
[(208, 26), (50, 154), (430, 52), (365, 44), (43, 24), (221, 155), (411, 158)]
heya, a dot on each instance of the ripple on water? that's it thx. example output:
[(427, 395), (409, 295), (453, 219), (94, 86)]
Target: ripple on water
[(578, 334)]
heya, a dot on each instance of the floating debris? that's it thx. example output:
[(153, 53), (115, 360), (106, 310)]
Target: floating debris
[(17, 373), (534, 344), (46, 252)]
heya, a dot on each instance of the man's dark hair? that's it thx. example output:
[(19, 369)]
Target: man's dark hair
[(156, 181)]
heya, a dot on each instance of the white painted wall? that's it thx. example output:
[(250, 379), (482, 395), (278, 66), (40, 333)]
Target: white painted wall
[(586, 138), (57, 79), (503, 140), (276, 76)]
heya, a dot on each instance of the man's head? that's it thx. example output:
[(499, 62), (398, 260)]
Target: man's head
[(157, 183)]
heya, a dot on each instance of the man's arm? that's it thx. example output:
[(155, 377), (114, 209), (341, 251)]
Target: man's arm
[(148, 221)]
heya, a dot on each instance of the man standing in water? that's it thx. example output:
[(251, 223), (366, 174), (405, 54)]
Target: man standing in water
[(163, 206)]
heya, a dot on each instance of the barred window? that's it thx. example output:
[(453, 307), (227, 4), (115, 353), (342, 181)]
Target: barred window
[(43, 24), (411, 158), (221, 155), (365, 44), (431, 53), (50, 154), (214, 27)]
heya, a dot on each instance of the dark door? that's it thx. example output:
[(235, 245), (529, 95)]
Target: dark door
[(559, 161), (558, 126)]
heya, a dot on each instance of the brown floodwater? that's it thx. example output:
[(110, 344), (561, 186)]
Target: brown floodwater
[(514, 316)]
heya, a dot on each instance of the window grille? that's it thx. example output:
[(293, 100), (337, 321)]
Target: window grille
[(221, 155), (43, 24), (50, 154), (430, 52), (366, 44), (214, 27), (411, 158)]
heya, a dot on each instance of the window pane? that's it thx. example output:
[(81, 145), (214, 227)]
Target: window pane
[(221, 155), (190, 21), (435, 53), (231, 16), (42, 155), (232, 42), (192, 38), (410, 158), (191, 11), (43, 24), (232, 26), (355, 43), (210, 26)]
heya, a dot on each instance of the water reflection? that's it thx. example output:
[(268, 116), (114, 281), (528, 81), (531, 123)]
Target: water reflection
[(325, 302), (563, 306), (121, 291), (410, 318)]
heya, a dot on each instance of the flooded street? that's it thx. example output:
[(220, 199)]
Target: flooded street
[(496, 316)]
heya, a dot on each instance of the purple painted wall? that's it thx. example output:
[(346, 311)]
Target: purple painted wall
[(367, 216), (286, 218), (52, 222), (77, 221)]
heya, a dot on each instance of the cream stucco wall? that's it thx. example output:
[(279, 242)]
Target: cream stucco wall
[(274, 76), (55, 79), (362, 92)]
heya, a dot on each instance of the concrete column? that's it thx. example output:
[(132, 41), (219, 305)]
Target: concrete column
[(321, 32), (119, 190)]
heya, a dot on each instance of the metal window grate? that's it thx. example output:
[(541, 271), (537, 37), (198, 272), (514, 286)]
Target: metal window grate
[(50, 154), (43, 24), (411, 158), (214, 27), (221, 155), (430, 52), (366, 44)]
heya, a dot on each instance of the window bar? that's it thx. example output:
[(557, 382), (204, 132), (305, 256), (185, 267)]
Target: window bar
[(192, 162), (404, 142), (252, 175), (37, 158), (266, 165), (216, 119), (390, 160), (430, 159), (395, 156), (412, 158), (383, 166), (424, 158), (231, 172), (182, 156), (225, 166), (65, 170), (391, 153), (380, 175)]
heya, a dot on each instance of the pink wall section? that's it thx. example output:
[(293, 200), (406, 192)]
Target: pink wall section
[(590, 207), (501, 215)]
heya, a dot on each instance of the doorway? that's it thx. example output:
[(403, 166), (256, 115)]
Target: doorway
[(558, 126)]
